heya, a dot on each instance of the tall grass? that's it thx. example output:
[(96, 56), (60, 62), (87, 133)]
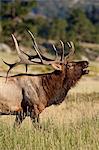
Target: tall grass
[(82, 134)]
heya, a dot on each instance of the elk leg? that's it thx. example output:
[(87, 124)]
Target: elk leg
[(34, 115), (35, 121), (34, 118), (20, 116)]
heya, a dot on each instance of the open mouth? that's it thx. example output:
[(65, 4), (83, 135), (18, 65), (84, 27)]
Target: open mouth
[(85, 71), (85, 68)]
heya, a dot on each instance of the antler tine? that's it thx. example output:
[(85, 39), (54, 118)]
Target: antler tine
[(62, 55), (55, 51), (35, 45), (72, 48), (19, 54), (16, 45), (22, 55), (10, 67)]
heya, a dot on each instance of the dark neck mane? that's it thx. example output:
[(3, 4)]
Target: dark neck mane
[(53, 87)]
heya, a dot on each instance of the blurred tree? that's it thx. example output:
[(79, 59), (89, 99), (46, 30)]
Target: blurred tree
[(92, 11), (81, 27), (57, 29), (96, 34), (42, 26), (15, 19), (13, 13), (16, 8)]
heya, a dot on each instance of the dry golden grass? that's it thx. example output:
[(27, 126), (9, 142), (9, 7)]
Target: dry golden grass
[(72, 125), (89, 45), (87, 85)]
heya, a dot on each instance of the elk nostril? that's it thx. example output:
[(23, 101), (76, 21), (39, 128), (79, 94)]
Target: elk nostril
[(86, 64)]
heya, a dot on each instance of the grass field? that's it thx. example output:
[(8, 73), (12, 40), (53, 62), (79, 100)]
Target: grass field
[(73, 125), (83, 135)]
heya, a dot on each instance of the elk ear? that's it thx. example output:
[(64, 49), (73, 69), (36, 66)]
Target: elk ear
[(57, 66)]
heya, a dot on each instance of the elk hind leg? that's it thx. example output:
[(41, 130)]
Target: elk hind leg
[(20, 116)]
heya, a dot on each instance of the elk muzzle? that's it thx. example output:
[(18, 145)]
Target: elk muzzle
[(84, 67)]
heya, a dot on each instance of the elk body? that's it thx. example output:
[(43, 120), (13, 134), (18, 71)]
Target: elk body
[(28, 94)]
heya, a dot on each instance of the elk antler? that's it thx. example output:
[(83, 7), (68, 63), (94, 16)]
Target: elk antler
[(39, 55), (10, 67), (55, 51), (62, 55), (72, 50), (23, 58), (28, 60), (36, 46), (43, 59)]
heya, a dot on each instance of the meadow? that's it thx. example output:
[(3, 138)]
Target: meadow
[(73, 125)]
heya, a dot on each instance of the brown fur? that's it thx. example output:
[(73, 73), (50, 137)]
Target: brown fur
[(32, 94)]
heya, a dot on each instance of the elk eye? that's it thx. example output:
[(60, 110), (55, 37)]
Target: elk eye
[(70, 66)]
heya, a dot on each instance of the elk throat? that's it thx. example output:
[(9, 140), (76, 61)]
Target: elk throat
[(54, 89)]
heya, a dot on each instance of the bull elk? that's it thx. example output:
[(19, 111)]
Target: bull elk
[(36, 92)]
